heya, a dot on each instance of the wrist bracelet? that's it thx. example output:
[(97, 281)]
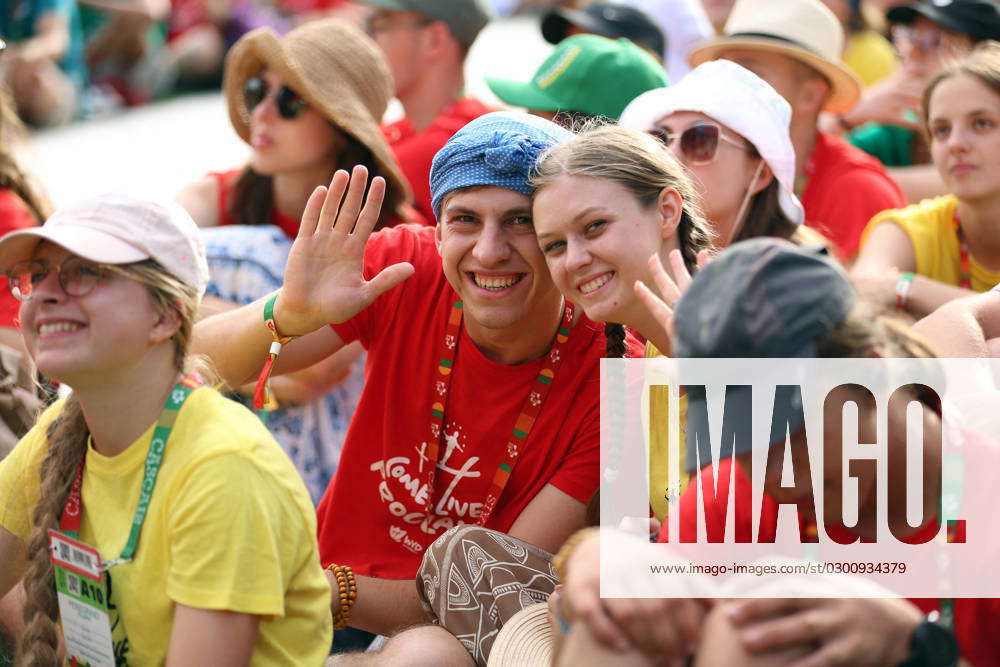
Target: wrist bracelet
[(261, 395), (561, 559), (347, 593), (903, 289)]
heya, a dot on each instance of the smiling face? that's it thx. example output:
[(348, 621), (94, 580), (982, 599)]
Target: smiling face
[(597, 239), (964, 124), (82, 339), (306, 143), (491, 258)]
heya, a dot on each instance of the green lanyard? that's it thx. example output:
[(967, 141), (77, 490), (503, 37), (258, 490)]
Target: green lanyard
[(72, 514)]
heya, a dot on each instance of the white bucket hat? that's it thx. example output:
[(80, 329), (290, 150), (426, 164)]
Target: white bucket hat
[(805, 30), (119, 229), (740, 100)]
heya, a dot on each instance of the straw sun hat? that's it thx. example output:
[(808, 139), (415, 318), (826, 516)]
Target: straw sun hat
[(334, 67), (801, 29)]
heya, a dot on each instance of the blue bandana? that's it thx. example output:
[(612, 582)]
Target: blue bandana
[(500, 148)]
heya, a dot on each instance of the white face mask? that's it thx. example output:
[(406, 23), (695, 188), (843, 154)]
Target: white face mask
[(739, 221)]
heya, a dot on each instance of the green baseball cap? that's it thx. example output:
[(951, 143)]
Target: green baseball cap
[(465, 18), (586, 73)]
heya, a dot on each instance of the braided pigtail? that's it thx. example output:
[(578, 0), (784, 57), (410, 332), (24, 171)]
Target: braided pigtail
[(614, 334), (67, 437)]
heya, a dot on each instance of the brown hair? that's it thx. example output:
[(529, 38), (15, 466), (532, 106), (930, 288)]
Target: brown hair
[(866, 329), (983, 63), (764, 215), (12, 176), (67, 438), (251, 201)]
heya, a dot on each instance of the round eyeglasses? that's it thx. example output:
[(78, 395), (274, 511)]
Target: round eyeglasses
[(77, 276)]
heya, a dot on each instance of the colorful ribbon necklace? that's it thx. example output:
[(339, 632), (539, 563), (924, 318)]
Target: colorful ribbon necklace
[(537, 394)]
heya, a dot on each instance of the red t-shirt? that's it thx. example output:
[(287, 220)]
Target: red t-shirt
[(372, 516), (415, 150), (846, 187), (226, 180), (977, 620), (14, 214)]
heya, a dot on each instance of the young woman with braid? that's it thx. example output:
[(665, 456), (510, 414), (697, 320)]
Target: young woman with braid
[(166, 506)]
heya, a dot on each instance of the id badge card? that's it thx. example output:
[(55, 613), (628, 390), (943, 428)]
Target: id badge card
[(83, 602)]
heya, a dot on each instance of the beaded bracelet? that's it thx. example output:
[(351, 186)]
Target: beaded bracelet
[(561, 559), (347, 593)]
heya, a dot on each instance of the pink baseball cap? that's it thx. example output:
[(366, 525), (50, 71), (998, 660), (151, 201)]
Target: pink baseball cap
[(118, 229)]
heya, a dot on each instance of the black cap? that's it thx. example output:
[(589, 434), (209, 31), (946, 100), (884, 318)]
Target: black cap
[(979, 19), (609, 19), (762, 297)]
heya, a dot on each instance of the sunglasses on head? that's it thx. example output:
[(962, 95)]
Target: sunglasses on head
[(698, 143), (286, 101)]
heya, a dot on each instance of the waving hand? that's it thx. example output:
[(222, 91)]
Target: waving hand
[(324, 280)]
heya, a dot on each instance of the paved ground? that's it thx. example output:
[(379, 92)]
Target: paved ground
[(157, 149)]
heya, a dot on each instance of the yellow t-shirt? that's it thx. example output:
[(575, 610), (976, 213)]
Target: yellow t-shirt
[(931, 228), (659, 443), (230, 527), (870, 56)]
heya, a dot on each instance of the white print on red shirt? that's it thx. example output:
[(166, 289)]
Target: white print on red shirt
[(404, 491)]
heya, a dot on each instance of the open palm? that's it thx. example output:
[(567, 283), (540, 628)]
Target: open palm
[(324, 279)]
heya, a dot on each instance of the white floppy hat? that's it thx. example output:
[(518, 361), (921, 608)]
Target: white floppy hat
[(740, 100), (119, 229), (805, 30)]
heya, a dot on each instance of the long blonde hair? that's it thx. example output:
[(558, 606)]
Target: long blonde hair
[(67, 444)]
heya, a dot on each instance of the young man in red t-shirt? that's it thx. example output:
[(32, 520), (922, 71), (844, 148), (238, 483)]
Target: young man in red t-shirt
[(795, 46), (501, 392), (425, 43)]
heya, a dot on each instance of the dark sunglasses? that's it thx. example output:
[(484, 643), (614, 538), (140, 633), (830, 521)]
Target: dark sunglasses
[(286, 101), (699, 143)]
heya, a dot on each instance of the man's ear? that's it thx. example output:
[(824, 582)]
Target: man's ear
[(437, 236), (437, 40), (813, 94), (670, 207)]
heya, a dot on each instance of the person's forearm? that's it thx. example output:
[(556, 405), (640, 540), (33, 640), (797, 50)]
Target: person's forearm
[(11, 615), (383, 606), (236, 341), (953, 332), (50, 42), (927, 295), (918, 182)]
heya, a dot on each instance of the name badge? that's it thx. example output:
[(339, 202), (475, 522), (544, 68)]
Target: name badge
[(83, 602)]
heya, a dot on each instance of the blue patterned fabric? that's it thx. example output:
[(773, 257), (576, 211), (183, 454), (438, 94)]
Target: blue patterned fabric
[(499, 148), (245, 263)]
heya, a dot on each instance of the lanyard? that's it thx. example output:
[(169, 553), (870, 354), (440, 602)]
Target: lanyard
[(965, 268), (72, 514), (537, 394)]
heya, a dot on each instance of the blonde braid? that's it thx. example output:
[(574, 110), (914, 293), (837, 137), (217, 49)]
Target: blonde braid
[(67, 438)]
